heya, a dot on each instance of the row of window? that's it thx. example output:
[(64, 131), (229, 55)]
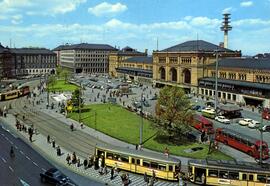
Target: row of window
[(224, 95), (236, 138), (90, 56), (241, 76), (91, 59), (91, 65), (262, 79), (184, 60)]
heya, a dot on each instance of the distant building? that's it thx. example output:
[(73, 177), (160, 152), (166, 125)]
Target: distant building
[(26, 61), (117, 57), (183, 64), (34, 61), (138, 68), (84, 57), (241, 80)]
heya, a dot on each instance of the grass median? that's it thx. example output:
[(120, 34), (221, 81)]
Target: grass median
[(124, 125), (60, 85)]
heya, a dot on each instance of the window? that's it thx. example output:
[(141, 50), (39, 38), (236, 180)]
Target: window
[(162, 167), (146, 164), (170, 168), (250, 177), (162, 60), (138, 162), (124, 159), (213, 173), (229, 96), (234, 175), (154, 165), (219, 94), (261, 178), (223, 174), (244, 177), (234, 97)]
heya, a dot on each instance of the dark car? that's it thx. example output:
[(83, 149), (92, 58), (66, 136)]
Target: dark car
[(55, 177), (210, 104)]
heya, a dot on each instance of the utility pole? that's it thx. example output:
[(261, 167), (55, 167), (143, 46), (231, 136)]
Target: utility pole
[(80, 90), (48, 91), (216, 53), (141, 126), (261, 133)]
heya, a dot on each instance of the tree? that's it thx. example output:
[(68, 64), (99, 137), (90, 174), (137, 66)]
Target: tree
[(66, 75), (77, 98), (51, 81), (173, 112)]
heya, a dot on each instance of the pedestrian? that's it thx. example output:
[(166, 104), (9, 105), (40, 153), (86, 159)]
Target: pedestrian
[(145, 177), (53, 143), (85, 163), (112, 173), (105, 170), (58, 151), (78, 162), (68, 159), (136, 147), (153, 175), (74, 158), (49, 139), (81, 125), (71, 127)]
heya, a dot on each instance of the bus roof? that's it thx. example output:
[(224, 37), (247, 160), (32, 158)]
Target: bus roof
[(231, 165), (138, 153), (243, 136)]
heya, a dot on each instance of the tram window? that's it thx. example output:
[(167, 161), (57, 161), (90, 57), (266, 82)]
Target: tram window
[(234, 175), (138, 162), (261, 178), (250, 177), (244, 141), (146, 164), (244, 177), (223, 174), (154, 165), (213, 173), (124, 159), (132, 160), (109, 155), (170, 168), (162, 167)]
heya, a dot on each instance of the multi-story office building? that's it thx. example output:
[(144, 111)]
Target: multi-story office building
[(117, 57), (84, 57), (34, 61), (241, 80), (182, 65), (138, 68)]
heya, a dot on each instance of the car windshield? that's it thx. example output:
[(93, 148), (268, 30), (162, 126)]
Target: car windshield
[(57, 174)]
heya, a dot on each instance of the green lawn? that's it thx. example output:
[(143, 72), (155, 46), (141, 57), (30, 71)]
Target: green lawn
[(60, 85), (119, 123)]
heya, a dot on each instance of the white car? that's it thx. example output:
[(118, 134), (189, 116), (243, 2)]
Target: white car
[(245, 122), (254, 124), (222, 119)]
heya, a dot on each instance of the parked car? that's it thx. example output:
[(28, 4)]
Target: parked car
[(254, 124), (199, 108), (222, 119), (210, 104), (54, 176), (245, 122)]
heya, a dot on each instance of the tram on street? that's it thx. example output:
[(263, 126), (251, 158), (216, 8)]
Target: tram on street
[(219, 172), (13, 94), (141, 162)]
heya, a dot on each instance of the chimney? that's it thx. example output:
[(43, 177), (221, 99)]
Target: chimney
[(146, 51)]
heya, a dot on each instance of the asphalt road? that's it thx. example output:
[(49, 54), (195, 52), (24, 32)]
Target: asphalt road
[(24, 167)]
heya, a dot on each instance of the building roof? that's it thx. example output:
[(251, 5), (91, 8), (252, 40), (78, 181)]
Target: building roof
[(31, 51), (247, 63), (140, 59), (134, 70), (196, 46), (85, 46), (263, 86)]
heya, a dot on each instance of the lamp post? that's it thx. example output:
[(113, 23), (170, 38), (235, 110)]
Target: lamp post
[(261, 144), (141, 126), (48, 90), (216, 53), (80, 90)]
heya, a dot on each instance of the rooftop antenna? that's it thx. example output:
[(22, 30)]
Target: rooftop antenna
[(10, 43), (226, 27)]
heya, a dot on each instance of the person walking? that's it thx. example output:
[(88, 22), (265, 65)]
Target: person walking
[(68, 159), (72, 127), (49, 139), (112, 173), (85, 163), (78, 162)]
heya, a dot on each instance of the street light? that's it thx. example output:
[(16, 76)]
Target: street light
[(217, 54), (141, 126)]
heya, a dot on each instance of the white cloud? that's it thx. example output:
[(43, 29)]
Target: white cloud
[(227, 10), (246, 3), (16, 19), (251, 22), (107, 9), (37, 7), (204, 21)]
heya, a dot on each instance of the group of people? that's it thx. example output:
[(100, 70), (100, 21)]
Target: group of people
[(52, 141), (150, 181), (30, 130)]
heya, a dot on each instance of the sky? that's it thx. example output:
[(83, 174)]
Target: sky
[(135, 23)]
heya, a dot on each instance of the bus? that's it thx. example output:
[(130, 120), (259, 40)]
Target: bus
[(138, 161), (266, 113), (221, 172), (209, 113), (202, 124), (242, 142)]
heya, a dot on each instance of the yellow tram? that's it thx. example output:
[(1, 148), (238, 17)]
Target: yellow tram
[(10, 95), (218, 172), (139, 161)]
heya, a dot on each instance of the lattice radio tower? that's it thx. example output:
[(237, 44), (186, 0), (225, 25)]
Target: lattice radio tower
[(226, 27)]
